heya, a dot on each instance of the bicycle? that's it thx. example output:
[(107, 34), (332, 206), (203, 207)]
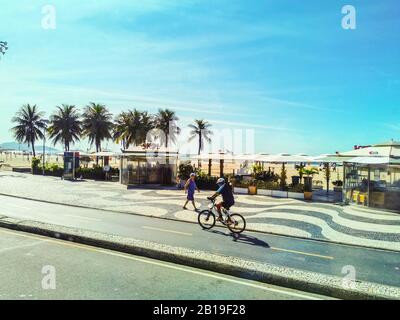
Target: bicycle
[(234, 221)]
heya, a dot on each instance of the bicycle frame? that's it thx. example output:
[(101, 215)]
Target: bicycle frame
[(225, 212)]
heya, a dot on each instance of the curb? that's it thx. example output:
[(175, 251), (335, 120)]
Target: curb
[(186, 221), (267, 273)]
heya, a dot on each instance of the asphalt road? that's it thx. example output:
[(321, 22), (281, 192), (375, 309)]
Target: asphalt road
[(370, 264), (35, 267)]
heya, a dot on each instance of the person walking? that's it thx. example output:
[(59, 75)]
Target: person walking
[(190, 188)]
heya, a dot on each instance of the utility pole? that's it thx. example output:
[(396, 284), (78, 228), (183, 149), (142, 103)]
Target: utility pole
[(44, 146), (44, 151)]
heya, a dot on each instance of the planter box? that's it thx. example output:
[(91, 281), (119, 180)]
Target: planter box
[(264, 192), (338, 194), (279, 194), (252, 190), (307, 195), (240, 190), (296, 195)]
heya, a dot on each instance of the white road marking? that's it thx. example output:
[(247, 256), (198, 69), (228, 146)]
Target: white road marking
[(166, 265), (80, 217), (166, 230), (303, 253)]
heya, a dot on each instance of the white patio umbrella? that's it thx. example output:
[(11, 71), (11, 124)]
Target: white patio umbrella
[(213, 156), (330, 158), (247, 157), (285, 158), (81, 154)]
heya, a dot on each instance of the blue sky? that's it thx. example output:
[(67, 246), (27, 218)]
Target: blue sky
[(286, 69)]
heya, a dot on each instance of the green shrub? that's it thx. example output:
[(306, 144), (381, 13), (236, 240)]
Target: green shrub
[(267, 185), (283, 179), (95, 173), (297, 188), (243, 183), (49, 169), (35, 164), (204, 181), (184, 170), (257, 171)]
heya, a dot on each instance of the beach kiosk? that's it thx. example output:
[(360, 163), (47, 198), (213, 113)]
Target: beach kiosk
[(372, 176), (148, 166)]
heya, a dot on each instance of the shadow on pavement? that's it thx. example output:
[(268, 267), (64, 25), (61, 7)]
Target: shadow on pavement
[(242, 238)]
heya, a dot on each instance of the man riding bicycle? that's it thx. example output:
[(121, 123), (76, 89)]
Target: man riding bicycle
[(225, 190)]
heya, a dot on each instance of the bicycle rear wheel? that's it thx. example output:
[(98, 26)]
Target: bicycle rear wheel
[(206, 219), (238, 224)]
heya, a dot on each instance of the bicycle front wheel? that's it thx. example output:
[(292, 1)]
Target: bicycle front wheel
[(206, 219), (238, 224)]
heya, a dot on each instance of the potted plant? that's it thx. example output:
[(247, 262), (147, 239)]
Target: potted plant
[(300, 168), (338, 190), (252, 187), (338, 184), (309, 173), (257, 174)]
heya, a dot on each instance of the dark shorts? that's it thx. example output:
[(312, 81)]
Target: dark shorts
[(226, 205)]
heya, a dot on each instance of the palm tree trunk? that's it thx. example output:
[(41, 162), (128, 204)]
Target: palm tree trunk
[(97, 150), (33, 148), (199, 151)]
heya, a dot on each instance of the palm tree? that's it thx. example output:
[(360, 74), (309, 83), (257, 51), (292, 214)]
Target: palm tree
[(132, 127), (65, 126), (30, 125), (3, 47), (166, 122), (121, 128), (127, 128), (200, 130), (146, 125), (97, 124)]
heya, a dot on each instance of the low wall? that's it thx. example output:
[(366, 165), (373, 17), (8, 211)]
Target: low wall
[(272, 193), (22, 170)]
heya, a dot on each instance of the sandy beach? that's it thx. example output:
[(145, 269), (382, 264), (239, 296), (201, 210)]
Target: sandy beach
[(9, 161)]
